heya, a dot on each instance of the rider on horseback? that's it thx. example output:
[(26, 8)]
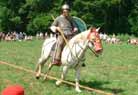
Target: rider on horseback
[(65, 23)]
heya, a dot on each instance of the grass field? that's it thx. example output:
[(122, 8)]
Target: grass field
[(115, 71)]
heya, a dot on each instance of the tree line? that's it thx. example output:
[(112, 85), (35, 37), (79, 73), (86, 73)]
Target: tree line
[(31, 16)]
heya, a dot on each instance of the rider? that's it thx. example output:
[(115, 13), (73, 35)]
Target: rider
[(65, 23)]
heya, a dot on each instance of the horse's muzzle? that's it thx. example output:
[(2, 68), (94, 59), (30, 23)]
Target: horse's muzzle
[(99, 51), (98, 48)]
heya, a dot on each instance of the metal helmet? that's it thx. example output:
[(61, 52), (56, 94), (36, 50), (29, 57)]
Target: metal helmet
[(65, 7)]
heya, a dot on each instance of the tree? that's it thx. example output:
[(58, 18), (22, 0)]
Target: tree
[(133, 18), (39, 24), (115, 16)]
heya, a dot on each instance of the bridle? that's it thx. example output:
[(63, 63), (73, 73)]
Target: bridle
[(93, 30)]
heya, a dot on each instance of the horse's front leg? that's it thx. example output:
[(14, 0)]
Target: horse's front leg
[(63, 75), (77, 79)]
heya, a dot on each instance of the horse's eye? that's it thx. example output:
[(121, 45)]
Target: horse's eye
[(97, 40), (92, 37)]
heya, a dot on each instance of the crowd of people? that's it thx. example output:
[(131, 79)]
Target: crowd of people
[(14, 36), (133, 41), (110, 40), (115, 40)]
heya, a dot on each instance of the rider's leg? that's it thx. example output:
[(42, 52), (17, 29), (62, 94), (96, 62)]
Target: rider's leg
[(59, 48)]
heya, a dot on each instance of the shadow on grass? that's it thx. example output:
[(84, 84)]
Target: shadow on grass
[(93, 84), (99, 85)]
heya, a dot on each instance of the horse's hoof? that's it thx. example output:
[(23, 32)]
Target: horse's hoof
[(78, 90), (37, 77), (83, 65), (58, 83)]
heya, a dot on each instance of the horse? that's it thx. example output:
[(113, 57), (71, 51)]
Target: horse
[(72, 53)]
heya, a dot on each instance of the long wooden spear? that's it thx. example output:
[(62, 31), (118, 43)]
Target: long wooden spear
[(54, 78)]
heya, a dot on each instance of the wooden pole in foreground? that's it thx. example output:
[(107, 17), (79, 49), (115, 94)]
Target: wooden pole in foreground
[(54, 78)]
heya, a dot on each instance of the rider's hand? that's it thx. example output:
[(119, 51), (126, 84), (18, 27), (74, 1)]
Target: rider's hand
[(58, 29), (75, 29), (53, 28)]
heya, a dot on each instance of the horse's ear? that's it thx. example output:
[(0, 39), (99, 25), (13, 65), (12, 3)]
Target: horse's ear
[(89, 28), (97, 30), (94, 29)]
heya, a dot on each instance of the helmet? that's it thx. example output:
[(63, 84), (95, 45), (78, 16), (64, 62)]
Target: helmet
[(65, 6)]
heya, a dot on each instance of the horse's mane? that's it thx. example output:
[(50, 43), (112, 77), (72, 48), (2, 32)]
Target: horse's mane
[(80, 37)]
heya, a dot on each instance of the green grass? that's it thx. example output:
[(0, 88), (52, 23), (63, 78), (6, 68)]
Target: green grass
[(115, 71)]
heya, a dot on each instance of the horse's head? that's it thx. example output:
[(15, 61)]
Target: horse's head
[(94, 39)]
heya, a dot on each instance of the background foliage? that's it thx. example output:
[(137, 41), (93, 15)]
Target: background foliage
[(31, 16)]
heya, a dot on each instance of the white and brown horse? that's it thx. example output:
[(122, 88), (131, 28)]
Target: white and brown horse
[(72, 53)]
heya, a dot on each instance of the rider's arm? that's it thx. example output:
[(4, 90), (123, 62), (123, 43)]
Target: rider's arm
[(54, 25)]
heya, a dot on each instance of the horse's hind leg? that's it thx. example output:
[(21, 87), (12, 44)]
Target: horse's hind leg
[(49, 68), (39, 66)]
